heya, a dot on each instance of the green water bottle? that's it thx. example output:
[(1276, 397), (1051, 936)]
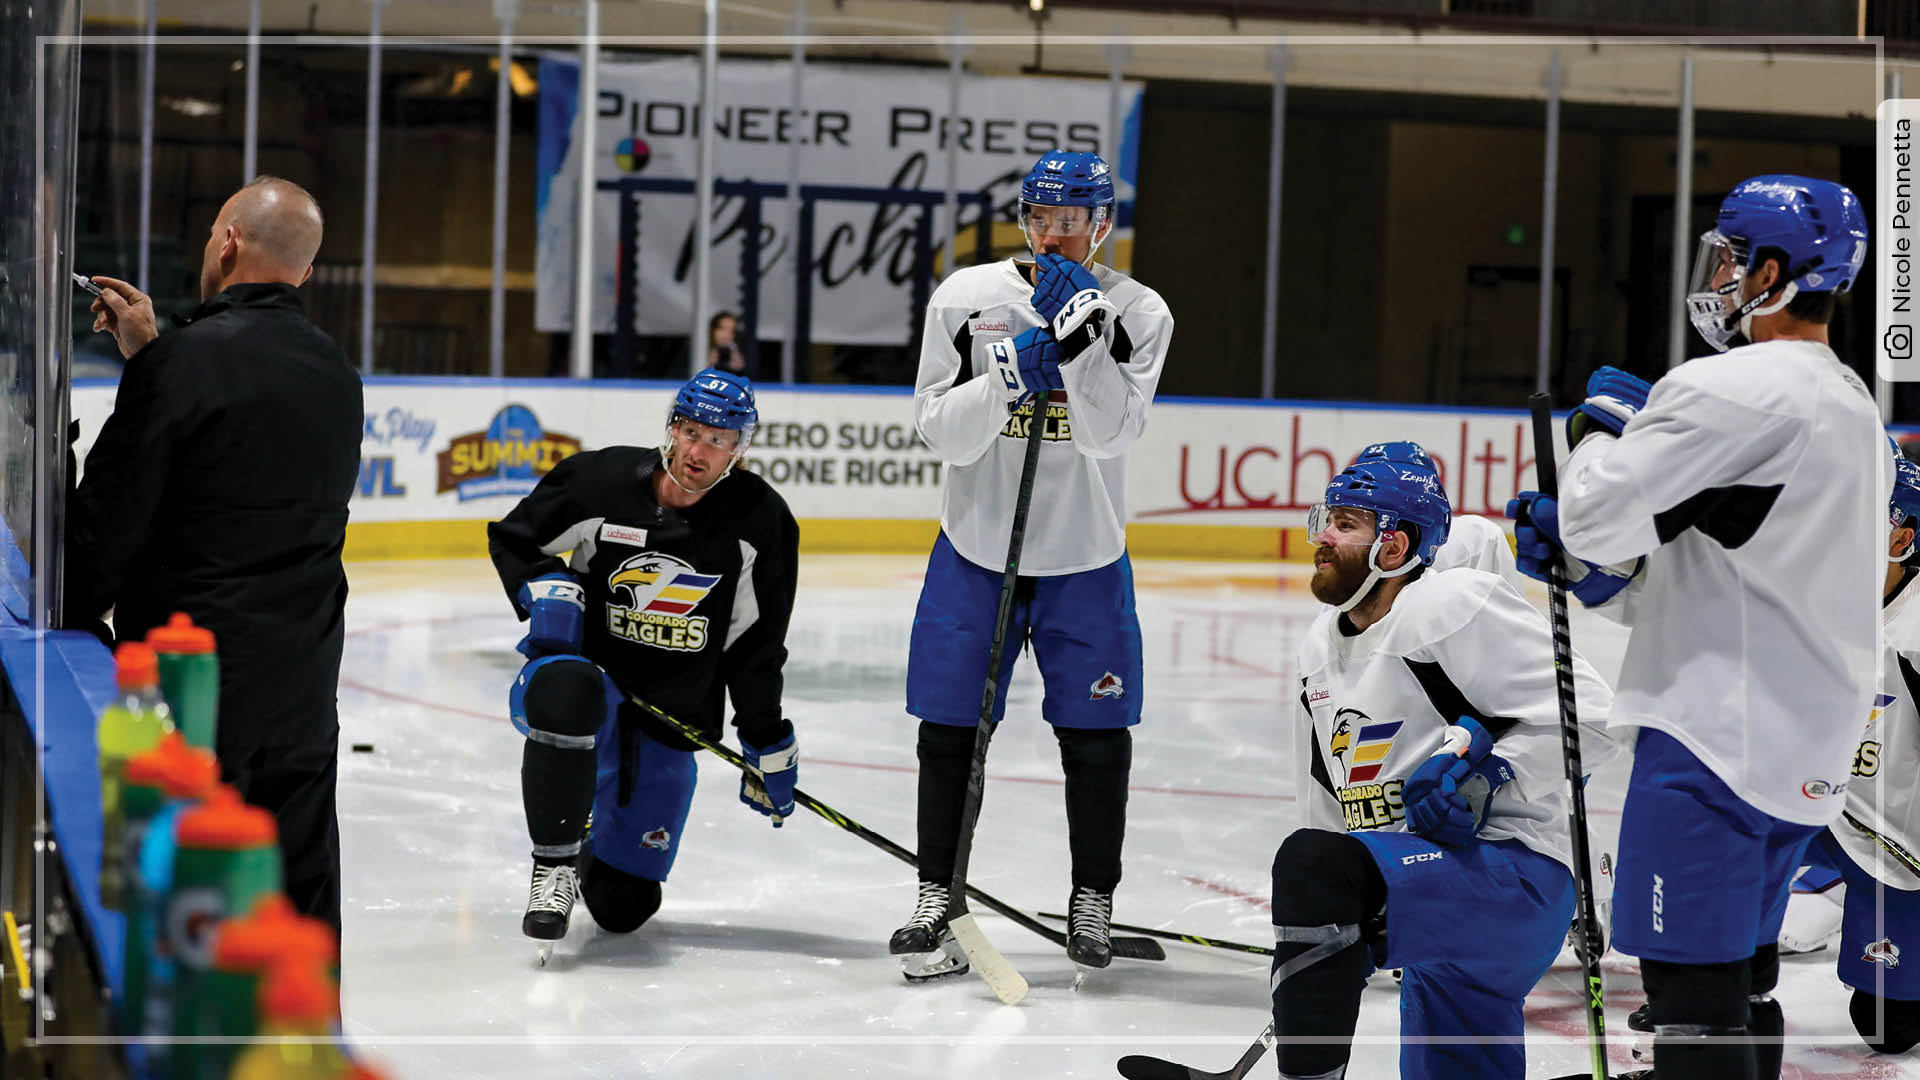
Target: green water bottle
[(189, 677), (170, 773), (244, 951), (130, 725), (225, 858)]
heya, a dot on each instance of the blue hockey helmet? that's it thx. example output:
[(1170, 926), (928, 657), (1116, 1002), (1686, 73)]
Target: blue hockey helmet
[(1818, 228), (1905, 504), (1398, 482), (718, 399), (1069, 178)]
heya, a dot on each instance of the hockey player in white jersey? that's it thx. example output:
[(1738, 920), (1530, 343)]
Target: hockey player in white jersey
[(1874, 849), (1434, 794), (1752, 484), (1077, 346), (1478, 543)]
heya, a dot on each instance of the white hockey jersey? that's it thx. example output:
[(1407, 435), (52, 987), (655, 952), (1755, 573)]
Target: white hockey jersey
[(1756, 483), (1884, 793), (1481, 544), (1078, 517), (1373, 706)]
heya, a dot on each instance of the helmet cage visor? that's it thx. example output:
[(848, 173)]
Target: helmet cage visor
[(1039, 219), (1713, 289)]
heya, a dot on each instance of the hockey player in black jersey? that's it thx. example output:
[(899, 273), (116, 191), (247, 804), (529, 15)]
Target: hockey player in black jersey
[(677, 591)]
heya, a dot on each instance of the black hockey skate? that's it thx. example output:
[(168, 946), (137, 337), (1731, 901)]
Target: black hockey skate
[(925, 945), (1640, 1022), (1090, 928), (550, 898)]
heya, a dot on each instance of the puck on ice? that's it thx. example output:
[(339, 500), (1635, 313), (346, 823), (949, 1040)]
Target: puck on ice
[(363, 748)]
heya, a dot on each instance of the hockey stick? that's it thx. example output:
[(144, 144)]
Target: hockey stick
[(1905, 857), (1142, 1067), (1175, 935), (1133, 948), (1541, 405), (1008, 985)]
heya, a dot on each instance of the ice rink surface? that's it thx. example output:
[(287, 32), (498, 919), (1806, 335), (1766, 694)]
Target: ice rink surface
[(768, 958)]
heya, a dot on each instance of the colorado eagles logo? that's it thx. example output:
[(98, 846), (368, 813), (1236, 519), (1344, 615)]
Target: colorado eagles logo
[(1108, 685), (1342, 740), (660, 591), (1883, 951)]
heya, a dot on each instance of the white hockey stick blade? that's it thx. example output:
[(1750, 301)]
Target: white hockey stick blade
[(1006, 983)]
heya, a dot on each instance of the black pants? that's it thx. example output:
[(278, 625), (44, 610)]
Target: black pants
[(296, 785)]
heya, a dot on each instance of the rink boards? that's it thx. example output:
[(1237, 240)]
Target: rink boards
[(1211, 478)]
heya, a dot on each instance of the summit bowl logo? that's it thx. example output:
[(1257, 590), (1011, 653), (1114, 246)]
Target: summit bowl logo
[(508, 458)]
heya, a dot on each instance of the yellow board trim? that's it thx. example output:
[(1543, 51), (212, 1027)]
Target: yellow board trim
[(463, 539), (16, 959)]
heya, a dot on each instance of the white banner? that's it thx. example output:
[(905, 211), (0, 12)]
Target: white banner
[(856, 126), (462, 449)]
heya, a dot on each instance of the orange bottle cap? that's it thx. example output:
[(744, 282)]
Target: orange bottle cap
[(272, 932), (178, 770), (224, 822), (180, 636), (135, 666), (298, 993)]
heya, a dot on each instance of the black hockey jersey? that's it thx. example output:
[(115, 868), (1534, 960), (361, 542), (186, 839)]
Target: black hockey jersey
[(684, 607)]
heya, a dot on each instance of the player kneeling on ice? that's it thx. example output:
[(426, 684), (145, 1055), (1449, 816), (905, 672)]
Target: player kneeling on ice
[(1077, 347), (1435, 800), (1872, 854), (677, 592)]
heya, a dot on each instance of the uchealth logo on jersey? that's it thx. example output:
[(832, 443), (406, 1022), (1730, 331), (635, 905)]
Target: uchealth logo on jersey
[(1883, 951), (1108, 685), (508, 458), (658, 839), (660, 592)]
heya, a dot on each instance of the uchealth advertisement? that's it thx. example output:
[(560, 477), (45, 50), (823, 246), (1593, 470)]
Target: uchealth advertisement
[(441, 457), (859, 126)]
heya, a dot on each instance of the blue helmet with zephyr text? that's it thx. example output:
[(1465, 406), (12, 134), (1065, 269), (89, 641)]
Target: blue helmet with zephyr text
[(1905, 503), (1398, 482), (1068, 178), (1817, 225)]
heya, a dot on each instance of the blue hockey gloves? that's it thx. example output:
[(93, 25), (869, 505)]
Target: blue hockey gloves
[(556, 610), (770, 791), (1613, 398), (1069, 299), (1536, 542), (1027, 363), (1446, 797)]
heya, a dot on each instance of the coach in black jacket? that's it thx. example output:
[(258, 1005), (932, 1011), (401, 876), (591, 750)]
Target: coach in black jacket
[(219, 487)]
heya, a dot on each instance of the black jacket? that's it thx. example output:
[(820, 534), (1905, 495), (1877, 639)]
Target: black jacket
[(684, 607), (219, 487)]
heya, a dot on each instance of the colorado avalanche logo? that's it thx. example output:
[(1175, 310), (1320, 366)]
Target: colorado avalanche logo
[(661, 583), (658, 840), (1883, 951), (1108, 685)]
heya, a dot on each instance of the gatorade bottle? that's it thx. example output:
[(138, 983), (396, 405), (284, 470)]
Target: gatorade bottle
[(225, 858), (189, 677), (171, 772), (130, 725), (296, 1002), (244, 951)]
